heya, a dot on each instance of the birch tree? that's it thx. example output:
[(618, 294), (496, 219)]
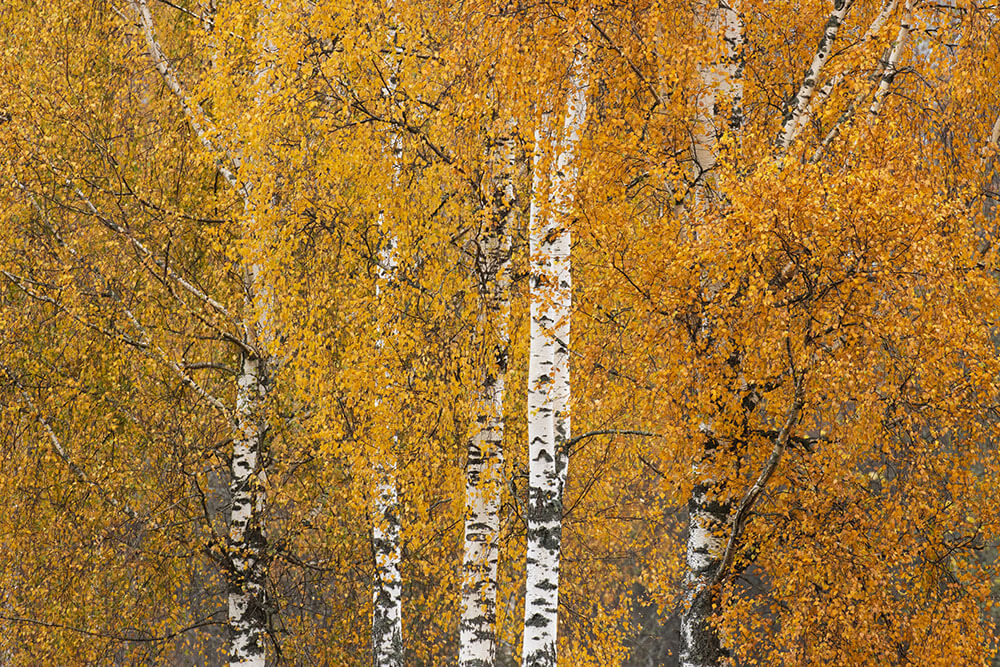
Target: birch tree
[(387, 591), (485, 460), (261, 243), (247, 544), (712, 547), (548, 374)]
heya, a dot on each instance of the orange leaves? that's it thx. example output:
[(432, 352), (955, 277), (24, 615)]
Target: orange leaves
[(875, 262)]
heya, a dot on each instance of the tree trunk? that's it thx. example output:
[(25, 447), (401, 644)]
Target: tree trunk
[(387, 612), (709, 509), (700, 642), (548, 377), (247, 542), (484, 463), (387, 589), (246, 571)]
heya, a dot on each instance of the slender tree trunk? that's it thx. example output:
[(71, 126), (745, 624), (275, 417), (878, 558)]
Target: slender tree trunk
[(387, 588), (247, 541), (548, 376), (387, 595), (709, 510), (247, 558), (709, 506), (387, 591), (248, 603), (484, 463)]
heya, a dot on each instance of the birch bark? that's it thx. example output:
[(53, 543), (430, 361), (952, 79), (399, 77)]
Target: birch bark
[(798, 116), (484, 463), (708, 507), (247, 543), (548, 374), (387, 612), (709, 549), (248, 600), (892, 63), (247, 540), (387, 589)]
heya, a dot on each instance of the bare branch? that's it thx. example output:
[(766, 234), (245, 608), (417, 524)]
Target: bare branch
[(611, 431), (149, 637)]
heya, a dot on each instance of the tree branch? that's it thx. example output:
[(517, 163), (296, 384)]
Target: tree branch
[(892, 64), (738, 522), (824, 93), (888, 73), (197, 118), (568, 445), (795, 119), (63, 454), (205, 622)]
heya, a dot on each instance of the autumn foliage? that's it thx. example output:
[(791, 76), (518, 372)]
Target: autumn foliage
[(268, 270)]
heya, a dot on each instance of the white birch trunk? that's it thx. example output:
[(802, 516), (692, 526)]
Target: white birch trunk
[(892, 63), (387, 594), (798, 115), (821, 96), (701, 645), (484, 463), (387, 589), (548, 376), (886, 73), (248, 603), (247, 541), (708, 516), (246, 574)]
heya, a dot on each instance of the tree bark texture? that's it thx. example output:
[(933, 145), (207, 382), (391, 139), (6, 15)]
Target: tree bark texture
[(387, 589), (484, 463), (722, 87), (548, 376)]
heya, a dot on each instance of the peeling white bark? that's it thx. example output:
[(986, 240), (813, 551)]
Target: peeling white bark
[(248, 603), (823, 94), (887, 70), (387, 587), (548, 375), (700, 642), (720, 85)]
